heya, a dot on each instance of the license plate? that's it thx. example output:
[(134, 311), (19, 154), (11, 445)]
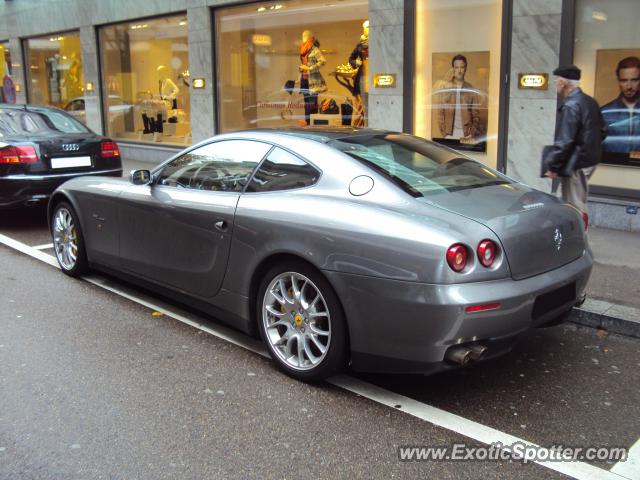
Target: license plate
[(70, 162)]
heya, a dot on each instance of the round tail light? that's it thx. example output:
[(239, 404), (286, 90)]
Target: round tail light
[(457, 257), (487, 252)]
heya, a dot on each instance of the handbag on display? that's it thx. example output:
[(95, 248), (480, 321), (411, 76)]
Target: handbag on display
[(329, 107), (289, 85)]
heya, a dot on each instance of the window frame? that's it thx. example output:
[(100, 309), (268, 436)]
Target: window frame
[(274, 146), (155, 174), (156, 171)]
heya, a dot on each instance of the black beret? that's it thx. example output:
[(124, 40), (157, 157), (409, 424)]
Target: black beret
[(570, 72)]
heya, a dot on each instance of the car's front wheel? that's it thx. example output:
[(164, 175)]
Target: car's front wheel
[(301, 322), (68, 243)]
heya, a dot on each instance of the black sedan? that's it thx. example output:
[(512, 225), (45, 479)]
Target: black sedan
[(42, 147)]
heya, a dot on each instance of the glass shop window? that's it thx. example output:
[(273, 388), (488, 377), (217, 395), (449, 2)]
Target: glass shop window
[(292, 63), (7, 88), (457, 77), (146, 81), (607, 50), (54, 69)]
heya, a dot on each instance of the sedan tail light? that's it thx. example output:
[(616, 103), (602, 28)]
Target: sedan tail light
[(585, 219), (487, 251), (457, 257), (109, 150), (19, 154)]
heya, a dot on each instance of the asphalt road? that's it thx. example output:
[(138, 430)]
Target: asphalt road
[(96, 386)]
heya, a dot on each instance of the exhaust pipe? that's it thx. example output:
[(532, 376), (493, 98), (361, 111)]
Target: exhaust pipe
[(477, 351), (458, 354)]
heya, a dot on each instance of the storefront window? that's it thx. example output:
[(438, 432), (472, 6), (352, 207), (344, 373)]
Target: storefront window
[(7, 88), (607, 50), (457, 80), (292, 63), (54, 69), (145, 80)]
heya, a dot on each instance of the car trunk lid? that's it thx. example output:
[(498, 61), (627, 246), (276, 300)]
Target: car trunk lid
[(537, 231)]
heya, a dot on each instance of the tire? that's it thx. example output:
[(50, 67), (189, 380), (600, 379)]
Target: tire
[(310, 322), (68, 241)]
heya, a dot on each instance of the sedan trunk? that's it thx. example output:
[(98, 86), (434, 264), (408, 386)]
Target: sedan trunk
[(537, 231)]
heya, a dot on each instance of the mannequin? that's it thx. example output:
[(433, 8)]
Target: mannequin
[(168, 89), (359, 60), (311, 80)]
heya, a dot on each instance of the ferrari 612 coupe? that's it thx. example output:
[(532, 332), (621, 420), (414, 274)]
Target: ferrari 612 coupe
[(366, 249)]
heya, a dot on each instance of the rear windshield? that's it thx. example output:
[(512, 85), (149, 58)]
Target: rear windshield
[(20, 122), (419, 167)]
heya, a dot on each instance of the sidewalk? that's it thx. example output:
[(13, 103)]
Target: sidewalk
[(613, 292)]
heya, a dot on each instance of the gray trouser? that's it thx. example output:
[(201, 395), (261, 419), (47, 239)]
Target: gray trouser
[(575, 189)]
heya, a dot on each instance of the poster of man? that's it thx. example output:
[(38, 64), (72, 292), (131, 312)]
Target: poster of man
[(617, 90), (459, 107)]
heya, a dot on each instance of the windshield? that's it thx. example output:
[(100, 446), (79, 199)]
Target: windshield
[(419, 167), (27, 122)]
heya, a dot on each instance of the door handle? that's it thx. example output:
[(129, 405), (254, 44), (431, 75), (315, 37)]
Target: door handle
[(221, 225)]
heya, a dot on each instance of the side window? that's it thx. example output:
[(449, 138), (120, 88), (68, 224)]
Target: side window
[(282, 171), (224, 166), (76, 106)]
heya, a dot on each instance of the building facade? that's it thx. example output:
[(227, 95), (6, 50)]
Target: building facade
[(471, 74)]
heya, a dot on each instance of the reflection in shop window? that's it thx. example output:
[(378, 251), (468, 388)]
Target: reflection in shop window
[(54, 69), (607, 50), (7, 88), (145, 75), (457, 80), (302, 63)]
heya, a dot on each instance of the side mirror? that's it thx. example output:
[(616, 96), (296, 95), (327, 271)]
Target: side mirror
[(140, 177)]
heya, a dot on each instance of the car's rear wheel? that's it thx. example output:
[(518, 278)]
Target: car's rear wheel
[(301, 322), (68, 243)]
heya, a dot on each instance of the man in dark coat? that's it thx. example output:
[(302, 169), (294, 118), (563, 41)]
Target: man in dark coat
[(577, 145)]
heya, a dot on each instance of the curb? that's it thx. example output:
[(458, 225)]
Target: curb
[(608, 316)]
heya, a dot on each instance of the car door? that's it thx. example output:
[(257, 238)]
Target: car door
[(177, 230)]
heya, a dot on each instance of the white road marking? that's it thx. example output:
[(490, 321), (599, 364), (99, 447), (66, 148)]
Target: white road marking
[(441, 418), (46, 246), (26, 249), (631, 468)]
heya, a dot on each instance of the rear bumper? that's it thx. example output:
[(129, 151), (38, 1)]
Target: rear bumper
[(25, 190), (399, 326)]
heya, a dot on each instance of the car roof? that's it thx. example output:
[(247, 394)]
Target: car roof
[(29, 108), (323, 134)]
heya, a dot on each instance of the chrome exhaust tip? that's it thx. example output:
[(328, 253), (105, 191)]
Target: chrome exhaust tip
[(458, 354), (477, 351)]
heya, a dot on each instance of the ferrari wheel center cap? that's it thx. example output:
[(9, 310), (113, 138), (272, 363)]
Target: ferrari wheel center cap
[(298, 319)]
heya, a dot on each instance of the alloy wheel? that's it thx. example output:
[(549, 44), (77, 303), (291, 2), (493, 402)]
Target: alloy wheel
[(65, 238), (296, 320)]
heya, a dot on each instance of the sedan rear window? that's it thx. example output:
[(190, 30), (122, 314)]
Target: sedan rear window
[(28, 122), (419, 167)]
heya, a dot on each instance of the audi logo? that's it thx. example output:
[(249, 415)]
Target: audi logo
[(70, 147)]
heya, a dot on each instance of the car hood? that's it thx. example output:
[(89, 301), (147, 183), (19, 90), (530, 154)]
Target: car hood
[(537, 231)]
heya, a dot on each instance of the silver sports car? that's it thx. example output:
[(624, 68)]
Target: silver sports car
[(364, 248)]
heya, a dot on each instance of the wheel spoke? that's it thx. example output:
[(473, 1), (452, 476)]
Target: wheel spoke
[(317, 331), (275, 312), (294, 288), (310, 355), (317, 343), (300, 344)]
